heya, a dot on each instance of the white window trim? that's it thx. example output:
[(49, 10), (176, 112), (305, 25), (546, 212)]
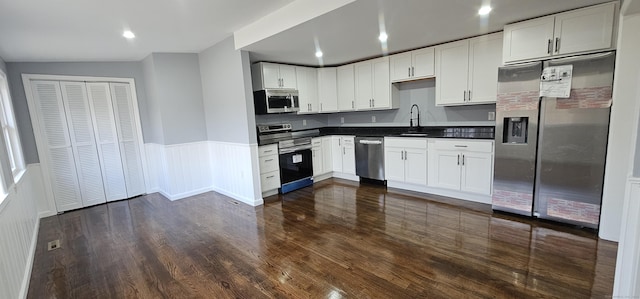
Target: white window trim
[(9, 124)]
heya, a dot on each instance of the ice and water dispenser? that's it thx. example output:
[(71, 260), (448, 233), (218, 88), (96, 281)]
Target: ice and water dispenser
[(515, 130)]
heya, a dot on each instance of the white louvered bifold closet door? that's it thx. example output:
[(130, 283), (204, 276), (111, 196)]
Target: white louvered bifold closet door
[(74, 96), (107, 140), (53, 126), (128, 138)]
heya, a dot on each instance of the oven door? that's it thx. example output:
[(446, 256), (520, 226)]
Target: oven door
[(295, 164)]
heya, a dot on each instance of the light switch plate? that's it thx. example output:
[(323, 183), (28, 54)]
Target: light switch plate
[(492, 115)]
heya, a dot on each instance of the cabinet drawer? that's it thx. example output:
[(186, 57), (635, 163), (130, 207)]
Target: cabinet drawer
[(265, 150), (316, 142), (269, 163), (270, 180), (406, 142), (482, 146)]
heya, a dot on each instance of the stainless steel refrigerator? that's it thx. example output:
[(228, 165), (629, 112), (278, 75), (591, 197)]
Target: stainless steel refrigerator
[(550, 151)]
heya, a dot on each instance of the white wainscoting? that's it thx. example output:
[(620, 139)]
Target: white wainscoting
[(179, 170), (19, 224), (235, 171), (627, 278)]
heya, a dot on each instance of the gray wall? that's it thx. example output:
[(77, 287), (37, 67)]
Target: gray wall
[(175, 106), (228, 100), (98, 69), (422, 93)]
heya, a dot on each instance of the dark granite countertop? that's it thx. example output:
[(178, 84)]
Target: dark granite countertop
[(486, 132)]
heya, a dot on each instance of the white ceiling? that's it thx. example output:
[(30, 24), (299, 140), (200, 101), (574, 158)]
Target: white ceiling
[(350, 32), (91, 30)]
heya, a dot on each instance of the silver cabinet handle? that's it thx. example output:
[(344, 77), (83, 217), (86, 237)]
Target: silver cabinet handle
[(557, 44), (469, 95), (401, 155), (458, 159), (352, 105), (462, 159), (271, 176), (408, 72), (413, 72), (268, 151), (320, 106), (268, 160), (405, 155), (457, 145), (549, 46), (344, 151), (373, 103), (339, 142), (464, 96)]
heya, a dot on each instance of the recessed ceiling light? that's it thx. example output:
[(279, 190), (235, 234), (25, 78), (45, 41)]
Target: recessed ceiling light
[(128, 34), (383, 37), (319, 54), (485, 10)]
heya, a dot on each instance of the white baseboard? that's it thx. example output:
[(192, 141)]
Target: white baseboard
[(24, 289), (182, 195), (45, 214), (269, 193), (322, 177), (246, 200), (346, 176), (481, 198)]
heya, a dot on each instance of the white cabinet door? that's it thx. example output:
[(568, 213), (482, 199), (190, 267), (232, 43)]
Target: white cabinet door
[(416, 166), (423, 61), (364, 85), (54, 129), (349, 155), (477, 173), (381, 83), (336, 153), (270, 75), (528, 40), (307, 79), (400, 67), (584, 29), (485, 56), (107, 141), (452, 67), (288, 76), (346, 88), (326, 155), (317, 156), (445, 168), (394, 164), (328, 89), (83, 144), (129, 138)]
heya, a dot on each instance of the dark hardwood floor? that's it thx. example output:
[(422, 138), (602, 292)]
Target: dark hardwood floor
[(335, 240)]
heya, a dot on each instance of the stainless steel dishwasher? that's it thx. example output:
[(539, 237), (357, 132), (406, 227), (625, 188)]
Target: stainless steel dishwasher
[(370, 157)]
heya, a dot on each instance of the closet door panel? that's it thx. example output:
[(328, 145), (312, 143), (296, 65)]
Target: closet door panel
[(74, 96), (52, 123), (127, 136), (107, 141)]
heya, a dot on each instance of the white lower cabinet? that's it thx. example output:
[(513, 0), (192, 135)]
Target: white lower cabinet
[(269, 167), (343, 154), (464, 165), (321, 154), (406, 160)]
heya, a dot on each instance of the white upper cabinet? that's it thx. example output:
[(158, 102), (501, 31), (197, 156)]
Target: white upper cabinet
[(417, 64), (328, 89), (373, 87), (577, 31), (307, 79), (467, 70), (270, 75), (346, 88)]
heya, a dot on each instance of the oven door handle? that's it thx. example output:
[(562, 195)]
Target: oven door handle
[(295, 149)]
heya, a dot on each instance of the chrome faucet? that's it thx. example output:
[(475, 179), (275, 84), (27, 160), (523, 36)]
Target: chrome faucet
[(411, 117)]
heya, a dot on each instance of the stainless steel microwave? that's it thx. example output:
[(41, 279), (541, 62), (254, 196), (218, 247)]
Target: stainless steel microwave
[(276, 101)]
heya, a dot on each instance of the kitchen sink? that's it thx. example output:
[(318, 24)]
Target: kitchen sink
[(414, 134)]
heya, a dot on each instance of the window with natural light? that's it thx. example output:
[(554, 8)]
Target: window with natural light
[(9, 129)]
